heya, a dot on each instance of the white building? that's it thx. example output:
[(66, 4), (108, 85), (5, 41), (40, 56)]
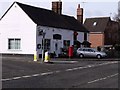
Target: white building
[(21, 25)]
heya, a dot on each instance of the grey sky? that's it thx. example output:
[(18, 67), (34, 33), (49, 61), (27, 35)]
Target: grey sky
[(92, 8)]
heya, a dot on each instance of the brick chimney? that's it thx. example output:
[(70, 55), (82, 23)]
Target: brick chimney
[(80, 14), (57, 6)]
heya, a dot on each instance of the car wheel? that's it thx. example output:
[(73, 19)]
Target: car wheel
[(99, 56), (81, 55)]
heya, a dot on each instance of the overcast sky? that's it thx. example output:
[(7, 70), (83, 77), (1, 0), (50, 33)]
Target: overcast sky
[(92, 8)]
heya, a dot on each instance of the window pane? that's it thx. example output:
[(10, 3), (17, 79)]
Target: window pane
[(17, 43), (11, 43)]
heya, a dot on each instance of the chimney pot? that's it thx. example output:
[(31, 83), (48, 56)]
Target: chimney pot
[(78, 5)]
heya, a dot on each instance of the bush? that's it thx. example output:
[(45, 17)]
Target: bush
[(117, 47)]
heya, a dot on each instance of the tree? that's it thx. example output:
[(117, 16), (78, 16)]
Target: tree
[(116, 18)]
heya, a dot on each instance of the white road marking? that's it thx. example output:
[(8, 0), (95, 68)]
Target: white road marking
[(26, 76), (34, 75), (57, 71), (16, 77), (69, 70), (90, 66), (73, 61), (8, 79), (100, 79), (66, 61), (48, 73), (77, 68)]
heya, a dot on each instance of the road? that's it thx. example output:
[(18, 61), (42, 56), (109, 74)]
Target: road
[(79, 73)]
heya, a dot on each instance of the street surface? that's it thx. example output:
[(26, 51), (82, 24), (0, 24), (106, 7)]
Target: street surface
[(23, 72)]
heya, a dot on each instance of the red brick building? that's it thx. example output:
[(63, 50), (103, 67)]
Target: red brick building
[(103, 31)]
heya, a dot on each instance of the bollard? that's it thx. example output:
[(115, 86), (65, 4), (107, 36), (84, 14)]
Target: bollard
[(47, 58), (35, 56)]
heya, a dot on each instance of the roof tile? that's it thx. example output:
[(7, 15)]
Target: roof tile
[(96, 24)]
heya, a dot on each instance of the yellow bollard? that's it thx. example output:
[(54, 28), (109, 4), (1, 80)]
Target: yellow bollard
[(47, 58), (35, 56)]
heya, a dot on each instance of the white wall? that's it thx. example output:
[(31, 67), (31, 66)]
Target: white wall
[(16, 24), (66, 35), (80, 36)]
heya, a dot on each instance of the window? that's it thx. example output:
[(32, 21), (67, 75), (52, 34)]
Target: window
[(90, 50), (95, 23), (46, 44), (84, 50), (80, 49), (66, 43), (57, 36), (14, 44)]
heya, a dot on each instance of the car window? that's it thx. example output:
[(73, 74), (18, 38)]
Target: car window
[(90, 50), (84, 49), (80, 49)]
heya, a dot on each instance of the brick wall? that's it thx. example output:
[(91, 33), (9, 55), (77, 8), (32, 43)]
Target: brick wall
[(96, 39)]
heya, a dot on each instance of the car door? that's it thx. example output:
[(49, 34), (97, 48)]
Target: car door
[(86, 53), (91, 53)]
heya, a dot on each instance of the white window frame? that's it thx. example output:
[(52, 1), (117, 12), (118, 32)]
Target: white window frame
[(14, 43)]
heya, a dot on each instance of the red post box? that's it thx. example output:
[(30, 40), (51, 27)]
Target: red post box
[(70, 52)]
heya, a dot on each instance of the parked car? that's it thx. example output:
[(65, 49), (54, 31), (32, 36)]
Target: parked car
[(90, 52)]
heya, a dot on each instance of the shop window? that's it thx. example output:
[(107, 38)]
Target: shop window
[(47, 44), (66, 43)]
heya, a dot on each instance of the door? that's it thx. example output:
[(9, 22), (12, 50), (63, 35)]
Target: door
[(56, 49), (57, 38)]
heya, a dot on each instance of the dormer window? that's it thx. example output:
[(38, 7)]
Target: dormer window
[(95, 23)]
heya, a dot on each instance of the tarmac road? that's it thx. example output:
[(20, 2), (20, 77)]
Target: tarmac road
[(19, 72)]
